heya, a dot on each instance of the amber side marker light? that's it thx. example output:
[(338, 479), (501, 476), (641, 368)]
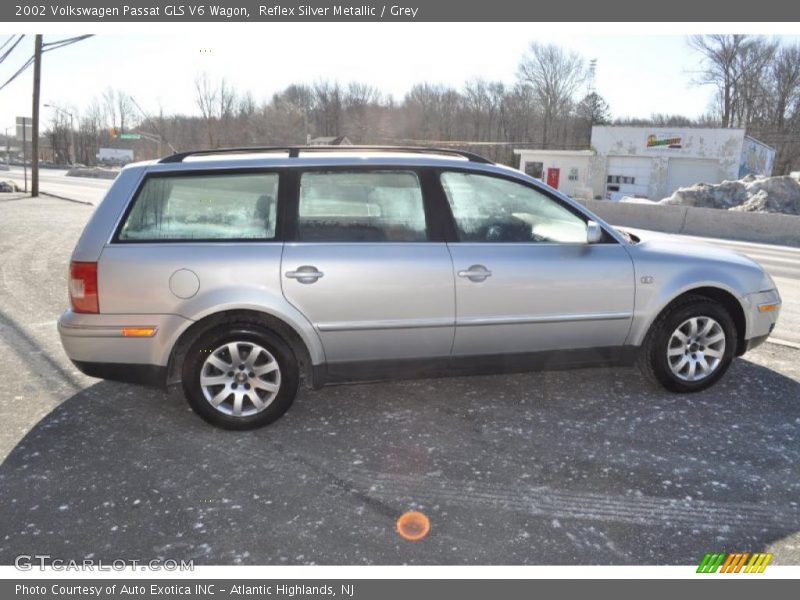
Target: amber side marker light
[(769, 307), (413, 526), (138, 331)]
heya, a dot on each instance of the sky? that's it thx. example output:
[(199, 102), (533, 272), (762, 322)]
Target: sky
[(638, 75)]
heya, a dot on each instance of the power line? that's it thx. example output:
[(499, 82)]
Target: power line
[(11, 37), (65, 42), (51, 46), (10, 50), (27, 64)]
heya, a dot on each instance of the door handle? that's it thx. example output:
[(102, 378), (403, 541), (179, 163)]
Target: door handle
[(305, 274), (476, 273)]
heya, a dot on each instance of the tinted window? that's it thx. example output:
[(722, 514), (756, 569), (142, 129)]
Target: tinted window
[(186, 207), (491, 209), (363, 206)]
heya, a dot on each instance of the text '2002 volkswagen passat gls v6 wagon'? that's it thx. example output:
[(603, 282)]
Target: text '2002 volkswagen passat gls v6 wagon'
[(237, 272)]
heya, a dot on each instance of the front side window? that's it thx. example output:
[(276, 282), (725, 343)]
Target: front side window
[(204, 207), (491, 209), (361, 206)]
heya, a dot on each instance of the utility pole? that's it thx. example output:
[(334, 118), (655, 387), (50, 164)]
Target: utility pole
[(37, 76), (25, 151)]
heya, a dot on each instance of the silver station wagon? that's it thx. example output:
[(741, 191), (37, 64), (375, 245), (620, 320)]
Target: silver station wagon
[(238, 273)]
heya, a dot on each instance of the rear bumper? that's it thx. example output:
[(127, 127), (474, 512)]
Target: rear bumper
[(153, 375), (754, 342), (91, 340)]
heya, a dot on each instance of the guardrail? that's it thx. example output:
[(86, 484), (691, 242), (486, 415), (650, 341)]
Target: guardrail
[(766, 228)]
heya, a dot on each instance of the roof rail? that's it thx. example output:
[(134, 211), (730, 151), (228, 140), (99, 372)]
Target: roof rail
[(294, 151)]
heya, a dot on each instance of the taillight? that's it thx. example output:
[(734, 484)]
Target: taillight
[(83, 287)]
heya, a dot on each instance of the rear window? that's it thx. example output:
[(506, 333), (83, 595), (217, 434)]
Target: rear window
[(204, 207), (361, 206)]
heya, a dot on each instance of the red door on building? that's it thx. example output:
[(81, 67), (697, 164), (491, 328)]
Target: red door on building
[(553, 177)]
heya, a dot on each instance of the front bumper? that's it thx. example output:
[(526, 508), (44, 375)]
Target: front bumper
[(762, 310), (96, 345)]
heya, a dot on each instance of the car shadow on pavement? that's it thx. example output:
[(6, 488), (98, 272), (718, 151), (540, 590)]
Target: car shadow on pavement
[(568, 467)]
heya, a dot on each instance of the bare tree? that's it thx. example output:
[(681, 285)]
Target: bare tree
[(328, 102), (752, 90), (432, 111), (206, 97), (785, 74), (520, 113), (110, 106), (554, 75), (119, 109), (125, 110), (722, 62), (360, 105), (216, 104)]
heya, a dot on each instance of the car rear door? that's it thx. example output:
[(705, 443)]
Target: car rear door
[(365, 268), (526, 279)]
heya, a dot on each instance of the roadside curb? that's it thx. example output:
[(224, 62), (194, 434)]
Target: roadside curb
[(11, 196), (784, 343), (65, 198)]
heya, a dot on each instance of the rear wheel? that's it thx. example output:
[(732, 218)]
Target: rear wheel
[(240, 376), (690, 346)]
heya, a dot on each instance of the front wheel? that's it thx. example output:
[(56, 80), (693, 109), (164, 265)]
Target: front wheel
[(240, 376), (690, 346)]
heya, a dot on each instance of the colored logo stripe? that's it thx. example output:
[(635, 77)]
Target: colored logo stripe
[(758, 563), (710, 563), (734, 562)]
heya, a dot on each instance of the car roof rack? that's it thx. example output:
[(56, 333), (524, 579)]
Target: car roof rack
[(294, 151)]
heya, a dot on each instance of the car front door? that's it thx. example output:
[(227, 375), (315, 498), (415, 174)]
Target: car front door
[(526, 278), (364, 269)]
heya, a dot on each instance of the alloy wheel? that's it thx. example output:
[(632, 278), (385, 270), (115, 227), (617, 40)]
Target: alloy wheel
[(240, 378), (696, 348)]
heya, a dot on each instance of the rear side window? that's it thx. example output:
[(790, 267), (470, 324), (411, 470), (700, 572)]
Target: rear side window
[(361, 206), (204, 207)]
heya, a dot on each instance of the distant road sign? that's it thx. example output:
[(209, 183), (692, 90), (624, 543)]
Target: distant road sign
[(129, 136), (24, 128)]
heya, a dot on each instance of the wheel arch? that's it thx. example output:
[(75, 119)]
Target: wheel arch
[(724, 297), (305, 354)]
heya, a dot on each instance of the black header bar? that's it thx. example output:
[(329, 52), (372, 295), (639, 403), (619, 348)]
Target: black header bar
[(98, 11)]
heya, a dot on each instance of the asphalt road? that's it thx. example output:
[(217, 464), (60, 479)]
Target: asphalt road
[(55, 181), (571, 467)]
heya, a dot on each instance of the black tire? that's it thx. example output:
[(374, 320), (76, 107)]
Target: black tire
[(244, 332), (653, 360)]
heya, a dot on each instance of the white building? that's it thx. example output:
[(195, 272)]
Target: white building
[(648, 162)]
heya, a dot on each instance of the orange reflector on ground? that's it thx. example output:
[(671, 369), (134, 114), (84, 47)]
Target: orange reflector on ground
[(769, 307), (138, 331), (413, 526)]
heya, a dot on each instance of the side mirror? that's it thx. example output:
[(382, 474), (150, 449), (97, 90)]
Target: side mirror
[(594, 233)]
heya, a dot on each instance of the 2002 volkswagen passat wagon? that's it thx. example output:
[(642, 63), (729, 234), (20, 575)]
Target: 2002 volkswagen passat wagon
[(235, 272)]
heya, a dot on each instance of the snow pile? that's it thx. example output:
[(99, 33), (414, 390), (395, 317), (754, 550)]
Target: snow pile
[(635, 200), (95, 172), (749, 194), (7, 186)]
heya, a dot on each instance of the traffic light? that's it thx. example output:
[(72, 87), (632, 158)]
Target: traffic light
[(113, 132)]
